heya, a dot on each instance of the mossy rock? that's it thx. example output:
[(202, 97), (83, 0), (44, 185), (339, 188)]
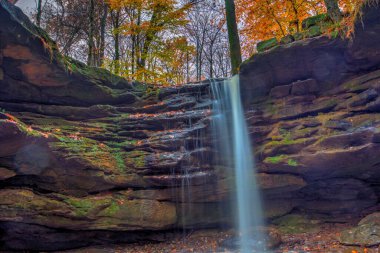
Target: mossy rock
[(313, 31), (296, 224), (367, 233), (266, 45), (100, 212), (136, 159), (91, 153), (287, 39), (298, 36), (281, 159), (314, 20)]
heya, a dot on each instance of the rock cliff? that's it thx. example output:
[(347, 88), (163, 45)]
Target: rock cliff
[(313, 108), (87, 157)]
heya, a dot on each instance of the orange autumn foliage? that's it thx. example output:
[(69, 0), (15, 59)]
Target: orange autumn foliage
[(265, 19)]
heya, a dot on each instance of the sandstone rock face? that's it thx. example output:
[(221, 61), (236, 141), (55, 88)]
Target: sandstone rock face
[(88, 158), (313, 112)]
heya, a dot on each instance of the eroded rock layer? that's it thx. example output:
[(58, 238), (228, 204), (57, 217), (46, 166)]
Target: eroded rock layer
[(87, 157), (313, 110)]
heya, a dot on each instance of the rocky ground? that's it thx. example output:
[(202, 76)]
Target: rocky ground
[(322, 240)]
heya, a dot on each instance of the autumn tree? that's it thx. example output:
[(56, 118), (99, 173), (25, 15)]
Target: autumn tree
[(79, 29), (149, 25), (264, 19)]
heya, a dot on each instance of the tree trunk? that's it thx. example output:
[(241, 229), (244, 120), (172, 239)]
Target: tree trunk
[(149, 38), (197, 61), (91, 43), (103, 34), (233, 37), (333, 10), (39, 13), (211, 70), (116, 26)]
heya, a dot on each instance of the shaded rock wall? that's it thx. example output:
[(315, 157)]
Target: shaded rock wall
[(87, 157), (313, 108)]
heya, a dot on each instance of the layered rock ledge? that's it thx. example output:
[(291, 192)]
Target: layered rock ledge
[(87, 157)]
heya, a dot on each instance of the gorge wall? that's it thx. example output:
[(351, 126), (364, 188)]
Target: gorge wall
[(87, 157)]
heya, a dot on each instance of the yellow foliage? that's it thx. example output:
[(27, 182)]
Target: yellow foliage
[(158, 55)]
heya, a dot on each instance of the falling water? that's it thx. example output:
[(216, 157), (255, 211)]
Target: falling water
[(235, 152)]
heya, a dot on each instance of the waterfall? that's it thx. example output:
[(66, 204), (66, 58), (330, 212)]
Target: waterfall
[(235, 153)]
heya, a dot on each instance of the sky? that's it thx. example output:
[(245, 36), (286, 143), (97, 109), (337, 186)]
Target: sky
[(26, 5)]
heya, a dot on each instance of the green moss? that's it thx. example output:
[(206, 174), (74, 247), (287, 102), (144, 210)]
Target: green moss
[(298, 36), (314, 20), (82, 206), (292, 162), (93, 153), (313, 31), (111, 210), (120, 161), (295, 224), (284, 142), (275, 159), (287, 39), (281, 159), (136, 158), (271, 108), (266, 45)]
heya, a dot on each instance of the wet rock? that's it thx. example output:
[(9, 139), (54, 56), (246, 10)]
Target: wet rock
[(338, 125), (374, 106), (363, 98), (366, 234)]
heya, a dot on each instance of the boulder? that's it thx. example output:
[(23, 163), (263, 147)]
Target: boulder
[(266, 45), (313, 31), (366, 234), (314, 20), (287, 39), (296, 224), (280, 91)]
